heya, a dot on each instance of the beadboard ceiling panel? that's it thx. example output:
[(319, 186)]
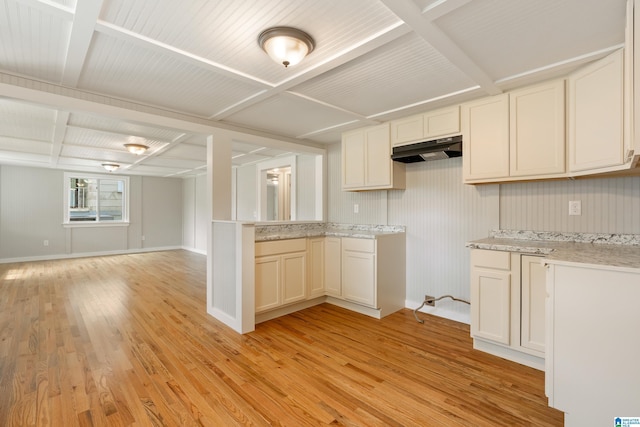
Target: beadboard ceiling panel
[(25, 121), (130, 72), (388, 86), (24, 145), (507, 38), (290, 115), (198, 61), (226, 31), (34, 43)]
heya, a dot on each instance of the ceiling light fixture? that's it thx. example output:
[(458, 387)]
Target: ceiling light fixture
[(286, 45), (110, 166), (136, 148)]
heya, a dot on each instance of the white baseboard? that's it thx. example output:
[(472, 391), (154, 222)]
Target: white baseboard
[(87, 254), (194, 250)]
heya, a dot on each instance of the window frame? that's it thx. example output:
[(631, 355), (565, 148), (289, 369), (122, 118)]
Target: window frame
[(97, 223)]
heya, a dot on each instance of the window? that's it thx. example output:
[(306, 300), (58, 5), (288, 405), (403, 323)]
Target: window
[(93, 199)]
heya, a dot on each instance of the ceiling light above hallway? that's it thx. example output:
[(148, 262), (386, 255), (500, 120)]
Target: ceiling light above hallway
[(111, 167), (136, 148), (286, 45)]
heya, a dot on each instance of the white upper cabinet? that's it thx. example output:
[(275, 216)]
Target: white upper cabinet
[(485, 140), (431, 125), (596, 106), (537, 131), (366, 160)]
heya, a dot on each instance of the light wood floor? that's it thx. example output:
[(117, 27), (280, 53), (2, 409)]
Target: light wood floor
[(125, 340)]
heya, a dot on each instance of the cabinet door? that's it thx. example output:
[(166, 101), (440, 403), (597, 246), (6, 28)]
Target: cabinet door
[(378, 161), (485, 128), (441, 122), (353, 159), (537, 132), (490, 305), (407, 130), (596, 98), (533, 296), (333, 266), (294, 274), (358, 277), (316, 267), (267, 281)]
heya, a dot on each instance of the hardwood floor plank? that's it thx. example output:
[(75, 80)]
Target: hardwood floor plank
[(125, 341)]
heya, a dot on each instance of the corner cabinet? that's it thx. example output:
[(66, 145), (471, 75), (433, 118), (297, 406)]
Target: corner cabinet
[(508, 305), (366, 161)]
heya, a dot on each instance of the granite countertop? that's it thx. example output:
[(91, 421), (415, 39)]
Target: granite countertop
[(295, 231), (611, 250)]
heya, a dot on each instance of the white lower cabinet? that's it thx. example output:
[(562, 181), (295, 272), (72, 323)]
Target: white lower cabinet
[(316, 258), (280, 273), (508, 305), (362, 274), (359, 271), (333, 266)]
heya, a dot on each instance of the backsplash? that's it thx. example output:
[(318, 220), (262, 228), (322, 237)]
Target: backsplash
[(609, 205)]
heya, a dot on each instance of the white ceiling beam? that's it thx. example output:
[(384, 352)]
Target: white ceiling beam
[(411, 14), (179, 54), (84, 22), (441, 8), (377, 40)]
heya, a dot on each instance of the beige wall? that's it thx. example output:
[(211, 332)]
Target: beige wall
[(31, 211)]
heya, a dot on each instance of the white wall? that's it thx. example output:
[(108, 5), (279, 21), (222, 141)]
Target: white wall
[(31, 211)]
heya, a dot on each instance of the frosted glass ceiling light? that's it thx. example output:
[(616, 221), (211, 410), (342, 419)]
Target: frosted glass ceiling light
[(285, 45), (136, 148), (110, 166)]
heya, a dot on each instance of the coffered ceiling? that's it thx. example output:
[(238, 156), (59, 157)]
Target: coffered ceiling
[(199, 60)]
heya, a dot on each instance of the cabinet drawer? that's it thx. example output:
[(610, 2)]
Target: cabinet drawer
[(359, 245), (491, 259), (280, 247)]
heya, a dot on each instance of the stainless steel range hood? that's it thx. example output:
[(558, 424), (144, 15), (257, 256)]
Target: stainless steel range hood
[(436, 149)]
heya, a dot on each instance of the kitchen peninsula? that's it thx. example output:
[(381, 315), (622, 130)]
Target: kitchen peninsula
[(590, 299), (268, 270)]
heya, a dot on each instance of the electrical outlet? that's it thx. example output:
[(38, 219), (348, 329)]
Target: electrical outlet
[(356, 208), (575, 207), (429, 300), (142, 238), (45, 243)]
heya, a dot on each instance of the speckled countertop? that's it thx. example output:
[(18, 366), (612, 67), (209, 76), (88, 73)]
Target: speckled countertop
[(612, 250), (295, 231)]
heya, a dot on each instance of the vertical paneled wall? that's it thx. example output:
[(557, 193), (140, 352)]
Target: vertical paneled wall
[(372, 205), (609, 205), (440, 213)]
